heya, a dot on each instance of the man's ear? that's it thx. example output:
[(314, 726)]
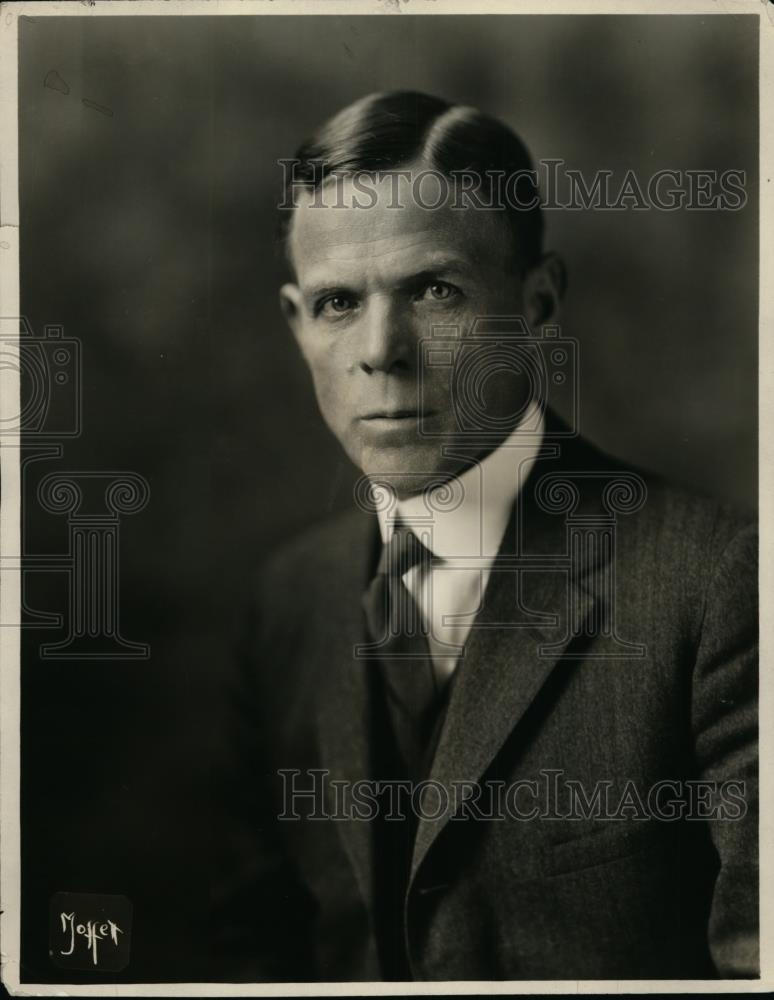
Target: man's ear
[(543, 290), (290, 303)]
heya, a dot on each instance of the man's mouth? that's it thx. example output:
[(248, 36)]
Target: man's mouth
[(408, 414)]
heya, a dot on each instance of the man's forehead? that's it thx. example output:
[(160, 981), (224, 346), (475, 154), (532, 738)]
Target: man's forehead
[(390, 231)]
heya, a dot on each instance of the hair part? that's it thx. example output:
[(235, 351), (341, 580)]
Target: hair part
[(386, 131)]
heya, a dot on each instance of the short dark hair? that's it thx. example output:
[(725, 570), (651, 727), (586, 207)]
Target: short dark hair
[(383, 132)]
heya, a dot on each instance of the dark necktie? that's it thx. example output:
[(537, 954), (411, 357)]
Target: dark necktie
[(399, 642)]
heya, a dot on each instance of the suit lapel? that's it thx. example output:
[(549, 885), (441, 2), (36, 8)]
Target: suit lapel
[(529, 622), (535, 607), (342, 700)]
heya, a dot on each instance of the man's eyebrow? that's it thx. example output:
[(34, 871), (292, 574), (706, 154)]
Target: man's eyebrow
[(316, 291), (431, 269), (434, 269), (435, 265)]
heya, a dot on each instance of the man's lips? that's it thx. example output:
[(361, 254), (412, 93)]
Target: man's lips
[(397, 415)]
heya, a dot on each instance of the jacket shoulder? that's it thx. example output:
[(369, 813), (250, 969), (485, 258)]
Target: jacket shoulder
[(667, 508), (688, 520), (321, 552), (679, 541)]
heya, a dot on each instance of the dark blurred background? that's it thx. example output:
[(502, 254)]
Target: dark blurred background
[(149, 179)]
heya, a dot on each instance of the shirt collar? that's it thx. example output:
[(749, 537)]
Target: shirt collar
[(467, 516)]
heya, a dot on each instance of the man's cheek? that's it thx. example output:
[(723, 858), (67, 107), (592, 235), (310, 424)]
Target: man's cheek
[(436, 387), (334, 403)]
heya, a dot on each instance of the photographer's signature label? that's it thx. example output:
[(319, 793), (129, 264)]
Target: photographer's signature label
[(90, 931)]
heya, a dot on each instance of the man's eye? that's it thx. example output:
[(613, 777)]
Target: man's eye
[(335, 305), (440, 291)]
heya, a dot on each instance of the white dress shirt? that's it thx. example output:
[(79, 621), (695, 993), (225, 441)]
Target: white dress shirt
[(461, 520)]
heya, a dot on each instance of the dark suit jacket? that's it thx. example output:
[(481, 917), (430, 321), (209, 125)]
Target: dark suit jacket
[(628, 664)]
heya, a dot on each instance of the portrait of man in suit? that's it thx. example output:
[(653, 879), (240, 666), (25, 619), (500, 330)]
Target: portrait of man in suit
[(381, 457), (498, 721)]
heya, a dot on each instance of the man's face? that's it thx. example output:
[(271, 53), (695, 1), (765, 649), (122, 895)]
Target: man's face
[(372, 283)]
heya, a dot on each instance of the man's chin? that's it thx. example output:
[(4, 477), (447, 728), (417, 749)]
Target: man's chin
[(407, 470)]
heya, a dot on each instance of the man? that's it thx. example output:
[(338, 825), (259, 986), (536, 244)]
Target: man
[(505, 728)]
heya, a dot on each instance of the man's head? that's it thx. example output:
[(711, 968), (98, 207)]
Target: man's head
[(379, 265)]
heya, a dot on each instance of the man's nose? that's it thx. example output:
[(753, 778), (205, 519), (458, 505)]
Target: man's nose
[(388, 343)]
